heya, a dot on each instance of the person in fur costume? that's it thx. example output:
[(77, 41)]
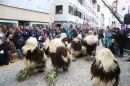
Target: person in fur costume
[(90, 43), (58, 53), (34, 57), (76, 47), (105, 69)]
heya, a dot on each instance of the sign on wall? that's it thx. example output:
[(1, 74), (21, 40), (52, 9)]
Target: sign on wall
[(35, 5)]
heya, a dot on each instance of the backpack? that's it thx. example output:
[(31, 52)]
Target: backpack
[(127, 18)]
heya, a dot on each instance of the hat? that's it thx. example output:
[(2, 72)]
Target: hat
[(123, 30)]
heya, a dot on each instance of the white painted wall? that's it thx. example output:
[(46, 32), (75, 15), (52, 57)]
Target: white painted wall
[(66, 16)]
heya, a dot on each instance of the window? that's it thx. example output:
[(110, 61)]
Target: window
[(59, 9), (79, 14), (114, 9), (76, 12), (70, 10), (84, 18), (80, 1), (113, 23)]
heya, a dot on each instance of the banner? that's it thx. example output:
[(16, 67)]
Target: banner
[(35, 5)]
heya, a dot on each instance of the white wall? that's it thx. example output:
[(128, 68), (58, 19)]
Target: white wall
[(64, 15)]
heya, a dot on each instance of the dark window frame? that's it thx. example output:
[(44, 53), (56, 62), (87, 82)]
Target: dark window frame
[(71, 9), (57, 11)]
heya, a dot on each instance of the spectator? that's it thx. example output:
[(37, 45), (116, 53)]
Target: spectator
[(32, 32), (116, 35), (108, 37), (113, 47), (2, 36), (4, 30), (37, 33), (100, 36), (21, 28), (26, 33), (12, 29), (40, 28), (122, 41), (68, 31), (10, 47), (57, 32), (47, 31), (53, 33), (17, 35), (20, 43), (11, 38), (62, 29), (74, 33), (4, 57)]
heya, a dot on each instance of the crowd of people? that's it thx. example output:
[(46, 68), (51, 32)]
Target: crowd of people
[(114, 39), (13, 39)]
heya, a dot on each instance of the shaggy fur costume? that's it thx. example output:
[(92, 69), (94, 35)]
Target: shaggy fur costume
[(33, 56), (90, 42), (68, 39), (46, 46), (62, 36), (76, 47), (105, 69), (59, 54)]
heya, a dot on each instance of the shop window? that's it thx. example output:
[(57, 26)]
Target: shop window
[(70, 10), (59, 9)]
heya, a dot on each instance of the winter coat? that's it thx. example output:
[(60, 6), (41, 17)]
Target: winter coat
[(116, 36), (4, 56), (68, 32), (17, 35), (32, 33), (109, 38), (20, 44), (62, 30), (26, 34), (74, 33), (2, 37), (37, 34), (10, 46), (122, 40), (47, 31)]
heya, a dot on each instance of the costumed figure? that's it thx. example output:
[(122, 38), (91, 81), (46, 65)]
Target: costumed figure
[(59, 54), (34, 57), (105, 69), (90, 44), (76, 47)]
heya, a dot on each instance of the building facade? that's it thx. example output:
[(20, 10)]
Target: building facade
[(74, 12), (27, 12), (113, 21), (100, 20)]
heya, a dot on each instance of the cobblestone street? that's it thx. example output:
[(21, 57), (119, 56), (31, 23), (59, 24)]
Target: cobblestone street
[(77, 75)]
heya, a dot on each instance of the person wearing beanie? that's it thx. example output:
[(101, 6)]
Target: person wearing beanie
[(122, 40)]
